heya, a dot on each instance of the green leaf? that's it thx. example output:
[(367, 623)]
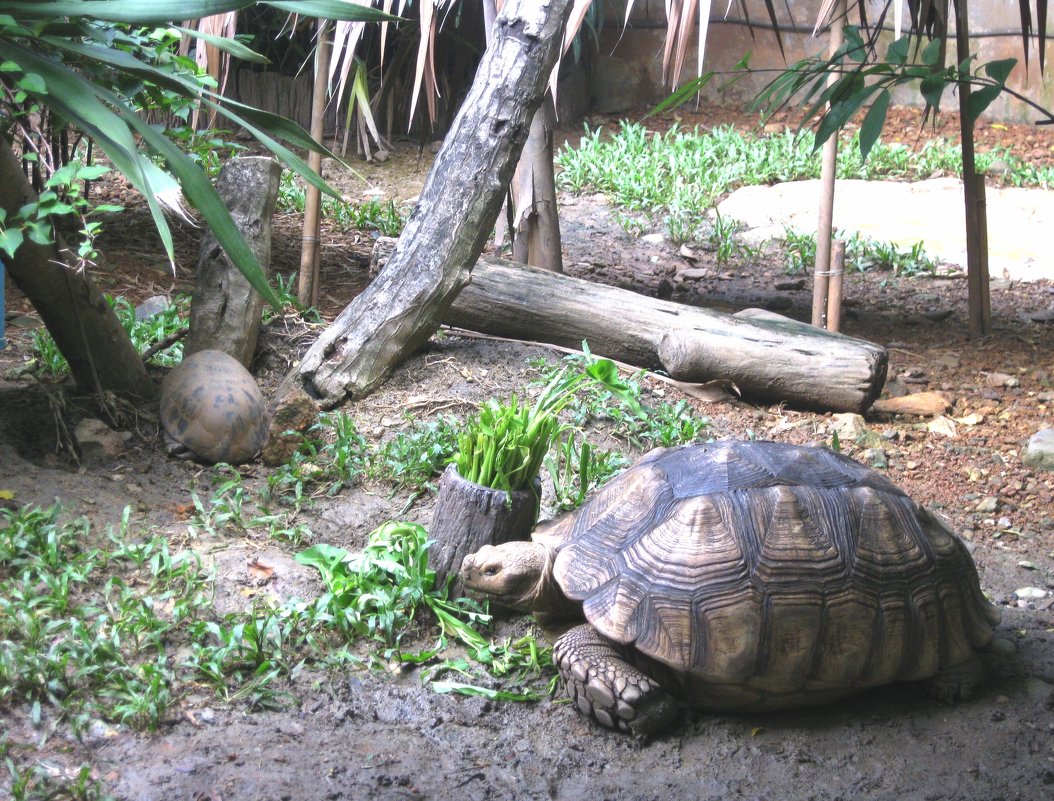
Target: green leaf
[(333, 9), (91, 172), (10, 240), (854, 46), (326, 558), (230, 46), (1000, 70), (132, 11), (77, 100), (931, 53), (897, 53), (199, 191), (32, 82), (980, 99), (871, 127), (683, 94), (840, 113), (932, 87)]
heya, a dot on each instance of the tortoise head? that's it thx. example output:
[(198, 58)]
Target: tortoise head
[(513, 574)]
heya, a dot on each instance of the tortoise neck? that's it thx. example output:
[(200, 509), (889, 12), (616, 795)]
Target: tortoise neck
[(550, 604)]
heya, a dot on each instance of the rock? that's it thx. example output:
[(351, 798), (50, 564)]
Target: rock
[(1030, 593), (1002, 380), (694, 273), (987, 505), (151, 307), (653, 239), (923, 404), (98, 442), (294, 414), (848, 426), (1038, 689), (876, 457), (1039, 452)]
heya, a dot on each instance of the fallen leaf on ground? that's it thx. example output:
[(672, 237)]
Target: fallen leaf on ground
[(260, 571)]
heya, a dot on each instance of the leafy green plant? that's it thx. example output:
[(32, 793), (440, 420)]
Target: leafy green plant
[(377, 594), (504, 445), (95, 70), (679, 174), (861, 254), (143, 332), (37, 783), (383, 217), (413, 457), (860, 81), (77, 634), (642, 424), (577, 467)]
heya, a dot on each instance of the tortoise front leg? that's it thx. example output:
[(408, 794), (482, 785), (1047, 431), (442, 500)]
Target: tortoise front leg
[(606, 687)]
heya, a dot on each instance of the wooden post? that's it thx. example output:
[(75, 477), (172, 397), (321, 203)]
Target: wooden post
[(825, 223), (226, 312), (307, 287), (834, 287)]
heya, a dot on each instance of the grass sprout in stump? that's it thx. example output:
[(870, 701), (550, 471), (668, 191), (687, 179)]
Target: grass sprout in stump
[(489, 493)]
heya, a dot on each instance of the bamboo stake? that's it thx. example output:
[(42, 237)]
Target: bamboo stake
[(979, 301), (825, 223), (834, 287), (307, 287)]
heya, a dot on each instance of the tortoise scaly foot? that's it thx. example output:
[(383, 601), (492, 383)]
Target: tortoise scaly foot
[(607, 688)]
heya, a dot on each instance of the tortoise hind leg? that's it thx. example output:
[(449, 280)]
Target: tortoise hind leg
[(956, 682), (607, 688)]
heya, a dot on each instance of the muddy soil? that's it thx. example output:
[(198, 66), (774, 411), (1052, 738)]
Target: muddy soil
[(383, 735)]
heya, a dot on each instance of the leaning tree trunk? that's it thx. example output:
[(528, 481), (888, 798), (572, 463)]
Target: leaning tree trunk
[(85, 328), (460, 200)]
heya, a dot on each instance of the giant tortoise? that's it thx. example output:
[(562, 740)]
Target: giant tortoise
[(744, 576)]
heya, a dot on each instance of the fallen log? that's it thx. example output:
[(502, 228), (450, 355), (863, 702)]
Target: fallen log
[(770, 358)]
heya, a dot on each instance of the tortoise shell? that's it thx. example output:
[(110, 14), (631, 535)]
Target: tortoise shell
[(212, 409), (761, 570)]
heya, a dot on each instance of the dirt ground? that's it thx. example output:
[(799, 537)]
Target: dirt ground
[(365, 735)]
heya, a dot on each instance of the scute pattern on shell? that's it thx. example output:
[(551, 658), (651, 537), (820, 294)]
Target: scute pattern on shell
[(211, 405), (775, 568)]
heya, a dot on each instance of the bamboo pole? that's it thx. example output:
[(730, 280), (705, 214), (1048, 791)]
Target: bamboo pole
[(979, 300), (307, 287), (825, 223), (834, 287)]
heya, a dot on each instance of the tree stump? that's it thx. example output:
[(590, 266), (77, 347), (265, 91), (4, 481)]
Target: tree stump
[(468, 516), (226, 311)]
